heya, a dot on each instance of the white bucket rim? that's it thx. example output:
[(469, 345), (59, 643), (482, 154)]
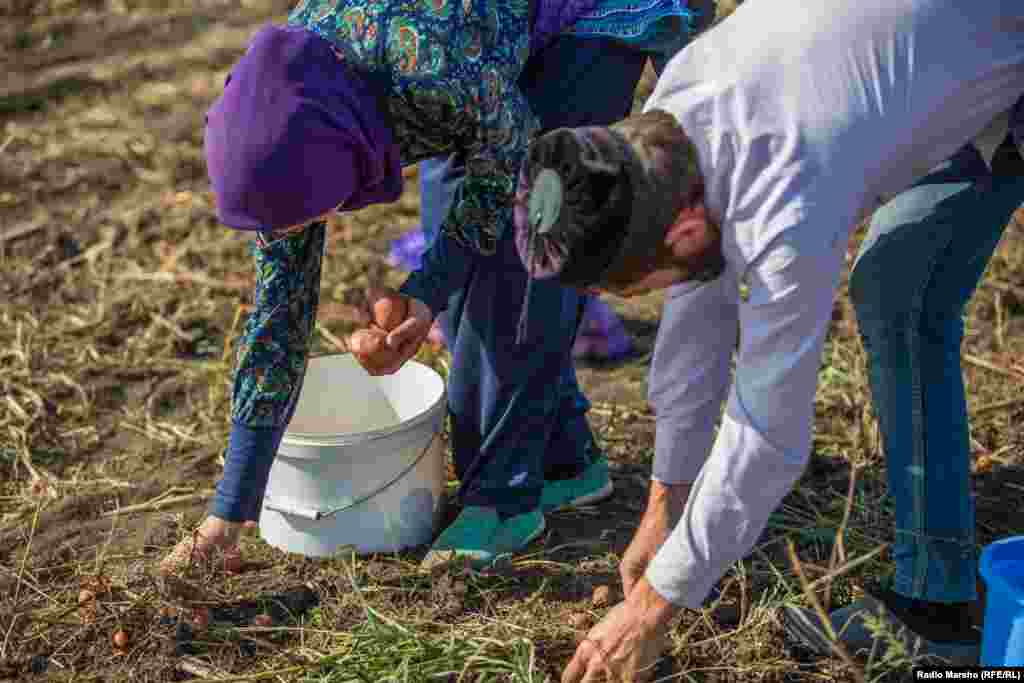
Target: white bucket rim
[(307, 439)]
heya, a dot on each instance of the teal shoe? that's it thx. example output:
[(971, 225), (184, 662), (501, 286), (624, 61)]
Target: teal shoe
[(470, 538), (515, 533), (592, 485)]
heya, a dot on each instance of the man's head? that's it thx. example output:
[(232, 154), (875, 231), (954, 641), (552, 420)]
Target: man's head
[(617, 208)]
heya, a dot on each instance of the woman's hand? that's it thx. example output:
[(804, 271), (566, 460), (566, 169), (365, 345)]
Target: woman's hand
[(400, 325), (370, 348)]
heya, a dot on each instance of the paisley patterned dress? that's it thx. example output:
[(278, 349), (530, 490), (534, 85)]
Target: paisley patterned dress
[(452, 66)]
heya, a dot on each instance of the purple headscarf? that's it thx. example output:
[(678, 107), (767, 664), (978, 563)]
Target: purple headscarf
[(296, 134)]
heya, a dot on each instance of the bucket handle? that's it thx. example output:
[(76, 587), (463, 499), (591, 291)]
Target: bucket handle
[(317, 515)]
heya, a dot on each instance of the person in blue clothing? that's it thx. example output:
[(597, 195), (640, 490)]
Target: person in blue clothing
[(601, 336), (320, 115)]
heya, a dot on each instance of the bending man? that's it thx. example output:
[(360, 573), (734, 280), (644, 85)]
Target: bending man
[(750, 167)]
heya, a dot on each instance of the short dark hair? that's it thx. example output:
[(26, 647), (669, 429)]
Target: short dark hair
[(668, 179)]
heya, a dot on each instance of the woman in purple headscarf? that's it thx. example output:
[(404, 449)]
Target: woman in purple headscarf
[(320, 115)]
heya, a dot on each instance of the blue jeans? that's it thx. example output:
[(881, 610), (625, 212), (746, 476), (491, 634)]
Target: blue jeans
[(924, 255), (517, 411)]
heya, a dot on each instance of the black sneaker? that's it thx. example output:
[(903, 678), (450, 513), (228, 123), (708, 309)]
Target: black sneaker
[(804, 626)]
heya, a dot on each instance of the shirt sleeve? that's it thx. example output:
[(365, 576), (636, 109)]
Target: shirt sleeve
[(689, 374), (270, 365), (764, 442), (481, 210), (444, 269), (272, 352)]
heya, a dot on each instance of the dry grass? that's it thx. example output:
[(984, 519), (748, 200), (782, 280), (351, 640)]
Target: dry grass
[(120, 298)]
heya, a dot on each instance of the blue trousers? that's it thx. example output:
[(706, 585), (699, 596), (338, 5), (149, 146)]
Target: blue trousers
[(517, 411), (918, 267)]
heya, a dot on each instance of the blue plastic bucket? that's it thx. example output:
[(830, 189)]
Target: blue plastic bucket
[(1002, 566)]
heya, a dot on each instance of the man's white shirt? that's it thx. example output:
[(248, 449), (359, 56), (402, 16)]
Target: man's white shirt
[(803, 114)]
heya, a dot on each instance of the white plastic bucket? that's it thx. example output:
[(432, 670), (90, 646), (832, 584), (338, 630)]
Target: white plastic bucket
[(377, 490)]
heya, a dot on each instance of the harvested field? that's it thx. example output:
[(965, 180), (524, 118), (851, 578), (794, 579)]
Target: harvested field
[(120, 300)]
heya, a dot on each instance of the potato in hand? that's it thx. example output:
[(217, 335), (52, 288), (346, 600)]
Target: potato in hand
[(390, 309), (370, 348)]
